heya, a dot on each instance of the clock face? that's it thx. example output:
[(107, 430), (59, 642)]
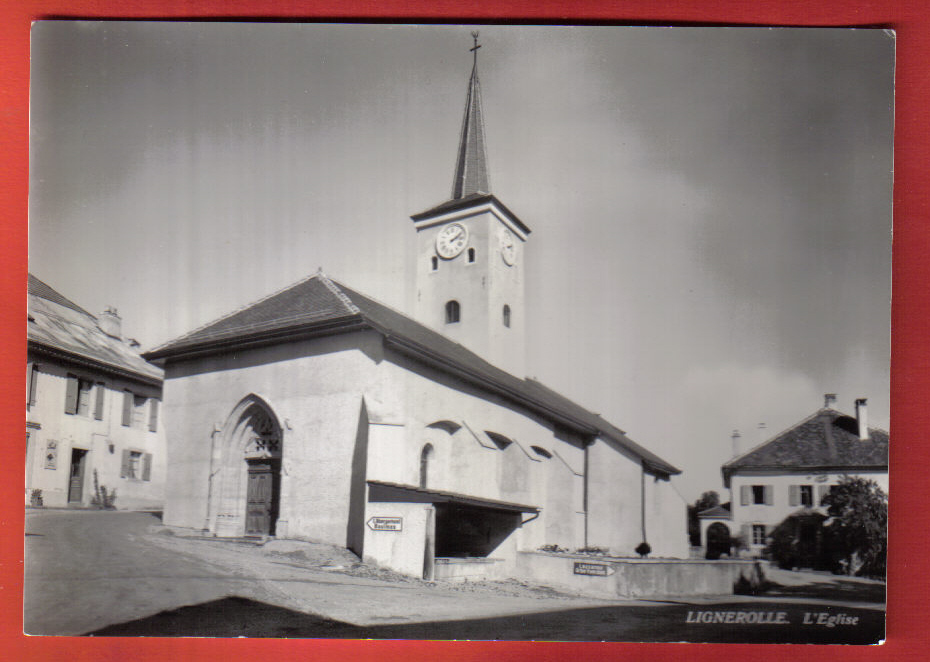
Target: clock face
[(508, 247), (451, 240)]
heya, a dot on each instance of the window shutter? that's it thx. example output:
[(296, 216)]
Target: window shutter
[(147, 466), (32, 374), (127, 408), (746, 534), (71, 395), (794, 495), (744, 493), (153, 414), (98, 407), (124, 466), (768, 495)]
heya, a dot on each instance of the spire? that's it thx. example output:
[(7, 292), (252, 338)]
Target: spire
[(471, 167)]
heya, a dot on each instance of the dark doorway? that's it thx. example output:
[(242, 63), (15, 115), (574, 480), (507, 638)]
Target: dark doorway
[(718, 540), (261, 512), (471, 531), (76, 475)]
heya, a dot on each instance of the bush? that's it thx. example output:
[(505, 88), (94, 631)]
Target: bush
[(102, 499), (552, 548), (643, 549), (35, 498)]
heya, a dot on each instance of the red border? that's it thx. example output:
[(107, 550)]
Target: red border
[(910, 351)]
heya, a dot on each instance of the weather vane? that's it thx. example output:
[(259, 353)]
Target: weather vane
[(474, 49)]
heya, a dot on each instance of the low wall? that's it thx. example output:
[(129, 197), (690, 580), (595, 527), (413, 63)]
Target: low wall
[(456, 569), (636, 578)]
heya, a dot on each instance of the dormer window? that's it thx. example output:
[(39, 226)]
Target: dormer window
[(453, 312)]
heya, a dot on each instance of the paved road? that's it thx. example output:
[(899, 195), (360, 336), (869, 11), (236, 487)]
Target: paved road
[(116, 573)]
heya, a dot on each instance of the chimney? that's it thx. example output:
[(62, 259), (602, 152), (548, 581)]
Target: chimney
[(862, 416), (829, 400), (735, 437), (111, 323)]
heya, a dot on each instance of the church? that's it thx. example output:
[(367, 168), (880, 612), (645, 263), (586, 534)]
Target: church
[(320, 414)]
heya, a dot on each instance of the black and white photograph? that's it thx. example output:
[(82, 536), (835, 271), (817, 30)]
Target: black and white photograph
[(458, 332)]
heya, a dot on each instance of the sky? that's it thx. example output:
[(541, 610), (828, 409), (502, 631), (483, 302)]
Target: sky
[(710, 207)]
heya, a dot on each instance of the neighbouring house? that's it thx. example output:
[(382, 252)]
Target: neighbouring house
[(790, 473), (320, 414), (91, 408)]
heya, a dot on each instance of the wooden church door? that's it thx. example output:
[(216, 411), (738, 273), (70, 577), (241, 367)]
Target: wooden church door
[(261, 499)]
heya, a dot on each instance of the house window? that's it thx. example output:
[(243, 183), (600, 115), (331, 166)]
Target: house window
[(434, 263), (756, 494), (807, 495), (506, 315), (758, 534), (453, 312), (471, 255), (77, 395), (425, 456), (801, 495), (137, 465), (153, 415)]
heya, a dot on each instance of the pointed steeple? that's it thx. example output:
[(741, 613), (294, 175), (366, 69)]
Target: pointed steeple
[(471, 166)]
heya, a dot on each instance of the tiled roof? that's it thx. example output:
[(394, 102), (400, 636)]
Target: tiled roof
[(318, 304), (471, 165), (59, 326), (828, 439)]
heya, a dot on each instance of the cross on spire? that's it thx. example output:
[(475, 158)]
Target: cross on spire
[(474, 49)]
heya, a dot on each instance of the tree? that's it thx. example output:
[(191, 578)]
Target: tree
[(707, 500), (857, 528)]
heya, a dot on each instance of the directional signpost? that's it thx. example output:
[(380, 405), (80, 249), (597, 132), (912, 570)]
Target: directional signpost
[(386, 523)]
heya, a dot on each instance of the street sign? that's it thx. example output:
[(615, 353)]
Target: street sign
[(593, 569), (386, 523)]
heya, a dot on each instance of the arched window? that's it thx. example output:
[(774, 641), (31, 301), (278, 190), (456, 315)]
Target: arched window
[(434, 263), (506, 315), (453, 312), (471, 254), (425, 456)]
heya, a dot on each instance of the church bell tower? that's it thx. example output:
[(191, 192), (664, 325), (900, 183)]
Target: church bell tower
[(470, 254)]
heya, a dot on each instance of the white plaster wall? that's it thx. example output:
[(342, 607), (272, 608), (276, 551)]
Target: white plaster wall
[(465, 464), (403, 550), (666, 520), (314, 388), (614, 515), (772, 515), (85, 432)]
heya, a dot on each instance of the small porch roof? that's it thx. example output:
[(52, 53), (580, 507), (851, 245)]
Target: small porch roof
[(398, 493)]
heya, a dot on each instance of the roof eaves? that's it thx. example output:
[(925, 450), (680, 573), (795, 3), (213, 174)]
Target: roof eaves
[(92, 362)]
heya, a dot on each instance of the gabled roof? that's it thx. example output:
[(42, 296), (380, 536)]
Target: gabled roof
[(318, 306), (825, 440), (58, 327), (721, 510)]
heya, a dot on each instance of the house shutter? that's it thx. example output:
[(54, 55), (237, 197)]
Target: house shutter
[(32, 374), (71, 395), (98, 406), (794, 495), (127, 408), (769, 497), (744, 494), (153, 414), (822, 491), (746, 534), (124, 466), (147, 466)]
